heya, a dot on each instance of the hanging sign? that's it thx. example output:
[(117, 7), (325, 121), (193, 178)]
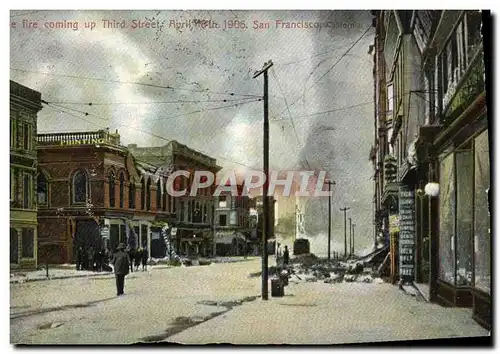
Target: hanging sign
[(406, 234)]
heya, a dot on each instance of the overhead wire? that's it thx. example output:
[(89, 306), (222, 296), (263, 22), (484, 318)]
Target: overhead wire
[(134, 83)]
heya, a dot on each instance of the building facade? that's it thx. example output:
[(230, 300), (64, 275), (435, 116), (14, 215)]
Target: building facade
[(93, 193), (25, 104), (432, 154), (232, 223), (192, 216)]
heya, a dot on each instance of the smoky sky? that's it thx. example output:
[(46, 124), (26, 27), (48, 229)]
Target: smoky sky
[(198, 69)]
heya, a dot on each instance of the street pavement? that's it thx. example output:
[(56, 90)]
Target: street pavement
[(220, 303)]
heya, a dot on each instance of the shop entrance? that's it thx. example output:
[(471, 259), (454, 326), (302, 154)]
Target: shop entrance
[(87, 235)]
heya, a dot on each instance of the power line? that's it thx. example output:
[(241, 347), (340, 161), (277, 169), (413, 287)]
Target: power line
[(175, 116), (324, 112), (134, 83), (146, 103), (342, 56), (133, 128), (291, 119)]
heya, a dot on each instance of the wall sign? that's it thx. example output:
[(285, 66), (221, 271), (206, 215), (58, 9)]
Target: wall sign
[(83, 142), (406, 234)]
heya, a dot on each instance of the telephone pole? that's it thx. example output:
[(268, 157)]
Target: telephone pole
[(345, 209), (330, 183), (265, 221), (353, 224), (350, 237)]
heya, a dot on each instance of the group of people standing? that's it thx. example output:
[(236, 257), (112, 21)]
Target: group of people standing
[(137, 258), (93, 259)]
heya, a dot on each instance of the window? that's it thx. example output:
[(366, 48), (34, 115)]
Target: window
[(447, 220), (464, 224), (143, 193), (148, 194), (111, 183), (122, 189), (233, 218), (222, 220), (80, 188), (158, 195), (42, 189), (390, 97), (482, 218), (27, 242), (222, 201), (205, 213), (26, 137), (181, 207), (131, 195), (12, 133), (190, 214), (26, 191), (12, 184)]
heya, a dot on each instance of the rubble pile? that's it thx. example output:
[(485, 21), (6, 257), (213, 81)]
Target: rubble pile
[(309, 268)]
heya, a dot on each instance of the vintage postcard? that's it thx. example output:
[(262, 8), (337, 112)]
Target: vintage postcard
[(250, 177)]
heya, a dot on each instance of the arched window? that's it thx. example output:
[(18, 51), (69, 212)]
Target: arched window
[(131, 195), (42, 189), (112, 182), (122, 188), (158, 195), (80, 187), (143, 193), (148, 195)]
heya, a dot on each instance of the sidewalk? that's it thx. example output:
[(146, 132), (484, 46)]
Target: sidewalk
[(67, 271), (319, 313)]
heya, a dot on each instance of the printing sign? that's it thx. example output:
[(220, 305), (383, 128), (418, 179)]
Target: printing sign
[(406, 234)]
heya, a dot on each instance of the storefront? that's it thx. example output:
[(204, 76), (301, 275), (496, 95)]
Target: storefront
[(464, 244)]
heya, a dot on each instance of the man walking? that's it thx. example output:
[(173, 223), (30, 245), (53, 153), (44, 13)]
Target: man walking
[(121, 264), (286, 256)]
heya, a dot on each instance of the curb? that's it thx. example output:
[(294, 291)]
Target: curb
[(59, 277)]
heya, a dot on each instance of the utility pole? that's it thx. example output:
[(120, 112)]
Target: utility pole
[(353, 224), (330, 183), (345, 209), (265, 221), (350, 237)]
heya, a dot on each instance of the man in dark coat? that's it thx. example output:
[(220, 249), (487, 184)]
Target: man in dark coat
[(121, 263), (131, 257), (144, 259), (286, 256), (79, 258)]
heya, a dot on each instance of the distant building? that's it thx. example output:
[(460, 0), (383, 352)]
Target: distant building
[(25, 104), (192, 215), (232, 223)]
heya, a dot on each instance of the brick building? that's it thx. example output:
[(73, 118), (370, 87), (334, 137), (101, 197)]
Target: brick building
[(92, 192), (192, 215), (25, 103)]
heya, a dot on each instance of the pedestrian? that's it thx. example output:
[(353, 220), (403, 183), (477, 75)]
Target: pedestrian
[(286, 256), (90, 258), (138, 258), (144, 259), (79, 258), (121, 264), (131, 255), (85, 259)]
